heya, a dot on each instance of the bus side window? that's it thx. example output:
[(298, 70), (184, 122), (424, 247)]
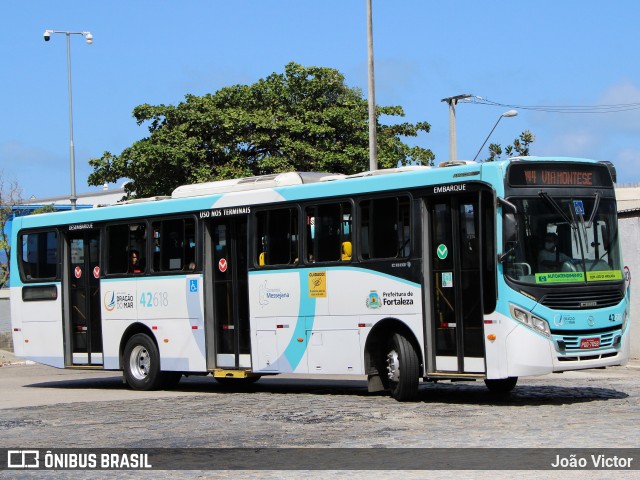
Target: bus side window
[(121, 240), (39, 257), (174, 245), (277, 237), (328, 232), (385, 226)]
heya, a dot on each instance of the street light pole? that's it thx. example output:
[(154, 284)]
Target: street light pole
[(510, 113), (72, 157), (373, 135), (452, 101)]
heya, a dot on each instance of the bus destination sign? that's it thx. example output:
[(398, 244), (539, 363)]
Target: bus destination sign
[(557, 177), (546, 175)]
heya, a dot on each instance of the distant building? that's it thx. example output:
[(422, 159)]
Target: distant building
[(97, 198), (628, 200)]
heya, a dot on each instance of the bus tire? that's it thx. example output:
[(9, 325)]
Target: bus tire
[(403, 369), (170, 380), (501, 385), (142, 363)]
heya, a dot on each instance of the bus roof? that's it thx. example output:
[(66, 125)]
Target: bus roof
[(290, 186)]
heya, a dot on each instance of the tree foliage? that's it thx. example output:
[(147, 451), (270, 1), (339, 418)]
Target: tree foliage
[(305, 119), (10, 195), (520, 147)]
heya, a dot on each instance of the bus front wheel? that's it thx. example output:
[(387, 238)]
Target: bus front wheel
[(403, 369), (142, 363)]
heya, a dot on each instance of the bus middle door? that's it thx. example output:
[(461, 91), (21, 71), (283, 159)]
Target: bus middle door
[(230, 292)]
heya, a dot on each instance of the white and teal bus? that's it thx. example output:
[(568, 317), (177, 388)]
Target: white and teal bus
[(416, 273)]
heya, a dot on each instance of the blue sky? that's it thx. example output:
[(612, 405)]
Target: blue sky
[(528, 52)]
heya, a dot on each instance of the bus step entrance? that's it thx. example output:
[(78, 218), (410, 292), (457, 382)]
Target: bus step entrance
[(222, 373)]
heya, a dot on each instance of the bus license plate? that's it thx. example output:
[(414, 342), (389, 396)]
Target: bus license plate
[(590, 343)]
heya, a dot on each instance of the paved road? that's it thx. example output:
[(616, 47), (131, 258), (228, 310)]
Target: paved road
[(44, 407)]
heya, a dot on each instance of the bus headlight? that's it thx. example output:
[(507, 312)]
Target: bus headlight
[(541, 325), (535, 323)]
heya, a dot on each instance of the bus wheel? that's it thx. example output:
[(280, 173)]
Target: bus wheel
[(171, 379), (142, 363), (403, 369), (501, 385)]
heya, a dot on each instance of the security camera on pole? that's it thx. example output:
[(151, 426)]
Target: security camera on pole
[(89, 39)]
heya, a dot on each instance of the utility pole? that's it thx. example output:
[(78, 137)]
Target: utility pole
[(373, 135), (452, 101)]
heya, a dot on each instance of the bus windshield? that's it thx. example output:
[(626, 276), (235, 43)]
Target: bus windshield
[(564, 239)]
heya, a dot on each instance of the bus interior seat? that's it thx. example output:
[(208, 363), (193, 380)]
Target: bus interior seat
[(261, 259), (347, 250)]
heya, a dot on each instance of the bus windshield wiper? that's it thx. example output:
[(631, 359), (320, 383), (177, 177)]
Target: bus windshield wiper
[(596, 204), (557, 208)]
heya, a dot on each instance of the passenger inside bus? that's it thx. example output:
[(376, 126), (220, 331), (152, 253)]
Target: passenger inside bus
[(135, 263)]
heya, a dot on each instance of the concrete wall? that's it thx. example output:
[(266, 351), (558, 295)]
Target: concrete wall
[(630, 241), (6, 342)]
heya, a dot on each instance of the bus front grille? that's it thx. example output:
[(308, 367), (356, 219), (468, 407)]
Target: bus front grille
[(582, 301)]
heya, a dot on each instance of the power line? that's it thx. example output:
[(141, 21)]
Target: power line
[(580, 109)]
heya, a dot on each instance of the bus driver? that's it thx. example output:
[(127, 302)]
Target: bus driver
[(549, 258)]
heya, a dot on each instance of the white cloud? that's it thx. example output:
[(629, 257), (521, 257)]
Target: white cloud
[(601, 136), (565, 143), (627, 162), (623, 93)]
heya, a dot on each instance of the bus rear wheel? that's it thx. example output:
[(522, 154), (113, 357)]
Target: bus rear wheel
[(403, 369), (142, 363), (501, 385)]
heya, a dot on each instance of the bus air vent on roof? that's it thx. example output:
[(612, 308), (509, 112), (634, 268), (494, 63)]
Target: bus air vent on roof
[(388, 171), (456, 163), (248, 183), (143, 200)]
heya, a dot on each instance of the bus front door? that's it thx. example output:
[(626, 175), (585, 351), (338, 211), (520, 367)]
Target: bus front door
[(230, 293), (85, 329), (455, 326)]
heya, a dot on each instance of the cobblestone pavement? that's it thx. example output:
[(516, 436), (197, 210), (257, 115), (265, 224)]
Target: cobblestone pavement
[(599, 408)]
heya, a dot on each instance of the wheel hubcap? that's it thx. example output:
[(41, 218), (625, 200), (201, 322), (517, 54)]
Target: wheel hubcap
[(140, 362), (393, 366)]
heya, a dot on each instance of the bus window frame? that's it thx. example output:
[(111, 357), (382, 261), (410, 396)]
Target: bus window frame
[(107, 240), (331, 201), (358, 226), (253, 235), (197, 257), (29, 231)]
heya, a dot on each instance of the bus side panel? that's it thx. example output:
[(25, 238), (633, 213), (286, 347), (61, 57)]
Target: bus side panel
[(316, 320), (39, 334), (278, 321), (171, 307)]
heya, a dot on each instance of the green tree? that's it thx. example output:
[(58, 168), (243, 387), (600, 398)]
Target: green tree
[(10, 195), (520, 147), (44, 209), (305, 119)]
